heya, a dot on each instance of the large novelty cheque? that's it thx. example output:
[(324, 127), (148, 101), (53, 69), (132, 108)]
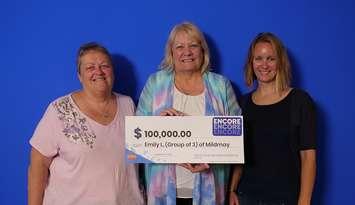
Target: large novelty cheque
[(186, 139)]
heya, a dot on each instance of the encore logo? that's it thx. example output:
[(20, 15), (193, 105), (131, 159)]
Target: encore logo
[(227, 126)]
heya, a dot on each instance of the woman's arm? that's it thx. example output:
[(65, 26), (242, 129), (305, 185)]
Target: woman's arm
[(308, 175), (37, 177), (237, 172)]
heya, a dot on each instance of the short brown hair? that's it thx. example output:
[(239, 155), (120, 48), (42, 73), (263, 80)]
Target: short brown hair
[(91, 46), (283, 73), (193, 31)]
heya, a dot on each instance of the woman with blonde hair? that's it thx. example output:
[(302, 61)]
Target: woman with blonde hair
[(280, 139), (185, 86)]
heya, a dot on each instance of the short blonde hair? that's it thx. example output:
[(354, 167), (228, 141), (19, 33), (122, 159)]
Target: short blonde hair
[(193, 31), (283, 74)]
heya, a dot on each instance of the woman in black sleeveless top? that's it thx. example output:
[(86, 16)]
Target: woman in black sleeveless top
[(280, 139)]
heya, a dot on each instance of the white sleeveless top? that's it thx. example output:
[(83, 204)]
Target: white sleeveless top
[(190, 105)]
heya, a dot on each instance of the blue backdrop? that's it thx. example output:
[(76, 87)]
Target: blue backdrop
[(39, 40)]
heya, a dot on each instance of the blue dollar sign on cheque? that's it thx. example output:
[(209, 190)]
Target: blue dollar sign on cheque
[(138, 133)]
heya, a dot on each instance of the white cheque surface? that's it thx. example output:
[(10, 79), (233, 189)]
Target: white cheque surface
[(187, 139)]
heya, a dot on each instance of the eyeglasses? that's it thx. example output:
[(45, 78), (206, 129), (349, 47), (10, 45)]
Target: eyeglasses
[(93, 66)]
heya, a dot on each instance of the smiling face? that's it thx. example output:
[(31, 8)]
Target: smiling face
[(265, 62), (96, 72), (187, 53)]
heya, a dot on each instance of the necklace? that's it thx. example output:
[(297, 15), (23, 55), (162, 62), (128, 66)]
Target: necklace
[(106, 111), (98, 110), (189, 87)]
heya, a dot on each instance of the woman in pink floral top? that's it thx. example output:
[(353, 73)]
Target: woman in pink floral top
[(77, 155)]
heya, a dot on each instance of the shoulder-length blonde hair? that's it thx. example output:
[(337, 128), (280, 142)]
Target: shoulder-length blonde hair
[(283, 74), (193, 31)]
